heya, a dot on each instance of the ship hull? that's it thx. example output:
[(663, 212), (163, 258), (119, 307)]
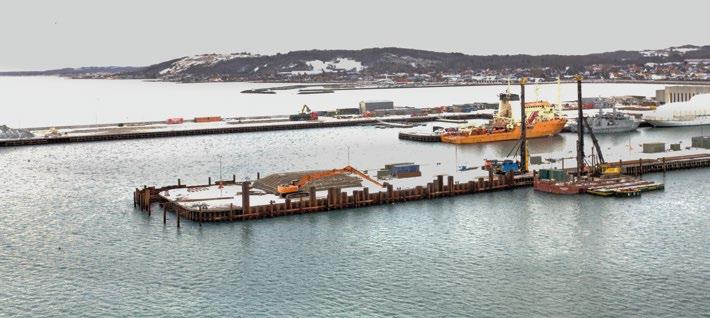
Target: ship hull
[(619, 127), (679, 123), (557, 187), (540, 129)]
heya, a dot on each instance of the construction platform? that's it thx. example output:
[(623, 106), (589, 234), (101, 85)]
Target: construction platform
[(237, 201)]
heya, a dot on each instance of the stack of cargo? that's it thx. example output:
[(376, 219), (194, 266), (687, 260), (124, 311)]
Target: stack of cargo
[(553, 174), (208, 119)]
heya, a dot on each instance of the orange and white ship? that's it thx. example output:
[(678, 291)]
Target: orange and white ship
[(542, 120)]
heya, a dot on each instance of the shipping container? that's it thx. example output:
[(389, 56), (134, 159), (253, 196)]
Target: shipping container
[(654, 147), (404, 169), (544, 174), (383, 174), (389, 166), (208, 119), (675, 147), (175, 120), (413, 174), (557, 174), (701, 142)]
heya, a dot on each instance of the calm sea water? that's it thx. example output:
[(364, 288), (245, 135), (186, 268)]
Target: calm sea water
[(71, 243), (48, 101)]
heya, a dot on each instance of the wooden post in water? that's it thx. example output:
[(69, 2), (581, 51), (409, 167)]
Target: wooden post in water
[(165, 212), (245, 197), (640, 172), (177, 214), (621, 168), (450, 181), (209, 180), (490, 178), (663, 162), (179, 182), (312, 197)]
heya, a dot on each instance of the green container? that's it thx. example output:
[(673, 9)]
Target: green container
[(701, 142), (544, 174), (654, 147), (558, 174)]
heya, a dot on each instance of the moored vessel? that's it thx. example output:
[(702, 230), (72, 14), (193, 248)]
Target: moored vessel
[(604, 123), (542, 121)]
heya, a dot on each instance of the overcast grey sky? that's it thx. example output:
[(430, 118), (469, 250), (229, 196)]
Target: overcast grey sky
[(70, 33)]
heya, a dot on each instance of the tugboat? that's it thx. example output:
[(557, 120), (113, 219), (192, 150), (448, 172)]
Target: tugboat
[(603, 123)]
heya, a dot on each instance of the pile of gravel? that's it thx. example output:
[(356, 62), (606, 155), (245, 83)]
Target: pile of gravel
[(9, 133)]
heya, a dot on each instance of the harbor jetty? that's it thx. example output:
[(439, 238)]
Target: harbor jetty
[(123, 131)]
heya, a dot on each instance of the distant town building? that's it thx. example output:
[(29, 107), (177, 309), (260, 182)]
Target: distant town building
[(672, 94), (373, 105)]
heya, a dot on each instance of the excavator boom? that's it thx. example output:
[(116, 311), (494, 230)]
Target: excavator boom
[(298, 184)]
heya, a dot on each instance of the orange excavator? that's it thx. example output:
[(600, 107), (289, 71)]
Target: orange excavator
[(297, 185)]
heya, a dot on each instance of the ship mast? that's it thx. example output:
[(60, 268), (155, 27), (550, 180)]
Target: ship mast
[(580, 127), (559, 95), (523, 128)]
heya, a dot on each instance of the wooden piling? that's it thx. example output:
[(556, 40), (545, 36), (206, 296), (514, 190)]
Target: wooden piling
[(245, 197), (450, 183), (312, 197), (165, 213), (490, 178)]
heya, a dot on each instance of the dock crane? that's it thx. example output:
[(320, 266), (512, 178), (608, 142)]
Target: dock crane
[(297, 185)]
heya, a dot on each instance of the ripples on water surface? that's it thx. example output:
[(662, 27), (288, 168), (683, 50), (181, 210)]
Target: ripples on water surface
[(72, 244)]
